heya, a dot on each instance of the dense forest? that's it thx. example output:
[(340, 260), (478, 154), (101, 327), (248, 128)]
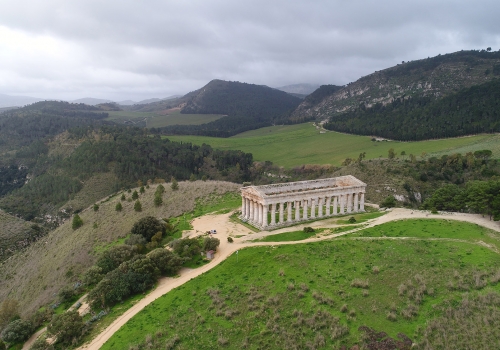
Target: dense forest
[(246, 107), (470, 111), (20, 127), (128, 152)]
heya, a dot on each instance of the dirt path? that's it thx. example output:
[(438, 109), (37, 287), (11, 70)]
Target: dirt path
[(242, 237)]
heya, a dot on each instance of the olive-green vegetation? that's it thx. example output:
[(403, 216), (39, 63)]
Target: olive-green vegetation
[(481, 197), (16, 234), (160, 119), (296, 145), (471, 111), (130, 154), (433, 77), (318, 295), (60, 259), (245, 106)]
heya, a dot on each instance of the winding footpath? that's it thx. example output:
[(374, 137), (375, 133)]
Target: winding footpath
[(226, 228)]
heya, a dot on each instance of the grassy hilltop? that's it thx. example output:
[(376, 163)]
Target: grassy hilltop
[(318, 295)]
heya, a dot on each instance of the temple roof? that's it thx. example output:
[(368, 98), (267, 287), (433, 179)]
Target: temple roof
[(285, 188)]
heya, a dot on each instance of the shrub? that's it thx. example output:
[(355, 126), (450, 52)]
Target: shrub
[(142, 190), (147, 227), (137, 206), (375, 270), (17, 331), (137, 240), (308, 229), (434, 210), (67, 327), (96, 207), (167, 262), (158, 200), (359, 283), (230, 239), (351, 220), (113, 257), (175, 185), (210, 243), (186, 247), (77, 222), (389, 202), (92, 276), (391, 316), (123, 197), (192, 178), (118, 206)]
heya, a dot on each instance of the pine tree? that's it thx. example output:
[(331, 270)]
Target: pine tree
[(137, 206), (142, 190), (77, 222), (123, 197), (135, 195), (175, 185), (158, 201), (119, 206)]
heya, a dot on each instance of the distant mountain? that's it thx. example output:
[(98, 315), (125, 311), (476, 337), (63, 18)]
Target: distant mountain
[(90, 101), (126, 103), (17, 101), (417, 83), (301, 89), (246, 106)]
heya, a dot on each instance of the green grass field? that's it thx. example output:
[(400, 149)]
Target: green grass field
[(155, 120), (294, 145), (317, 295)]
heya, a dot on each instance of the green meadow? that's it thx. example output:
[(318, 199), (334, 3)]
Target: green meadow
[(295, 145), (156, 120), (317, 295)]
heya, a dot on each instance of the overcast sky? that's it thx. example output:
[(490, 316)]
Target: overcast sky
[(124, 49)]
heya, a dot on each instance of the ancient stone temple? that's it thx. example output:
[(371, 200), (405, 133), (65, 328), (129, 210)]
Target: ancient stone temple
[(283, 204)]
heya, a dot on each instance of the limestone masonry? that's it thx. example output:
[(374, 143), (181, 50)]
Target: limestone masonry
[(301, 201)]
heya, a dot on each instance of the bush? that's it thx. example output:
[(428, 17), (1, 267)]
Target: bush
[(351, 220), (167, 262), (186, 247), (67, 327), (147, 227), (389, 202), (114, 257), (137, 206), (137, 240), (308, 229), (67, 293), (17, 331), (230, 239), (96, 207), (77, 222), (92, 276), (118, 206), (122, 197), (210, 243)]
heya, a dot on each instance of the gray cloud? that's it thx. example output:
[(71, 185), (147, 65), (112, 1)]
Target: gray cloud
[(130, 49)]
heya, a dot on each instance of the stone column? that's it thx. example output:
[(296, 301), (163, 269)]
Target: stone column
[(249, 206), (349, 202), (273, 214), (341, 204), (252, 210), (304, 209), (257, 213), (362, 202), (289, 214), (264, 215), (356, 203), (313, 208), (297, 211), (335, 204), (243, 207), (320, 207), (281, 213), (328, 207)]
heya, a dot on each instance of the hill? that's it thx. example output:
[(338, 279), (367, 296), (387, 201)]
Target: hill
[(246, 106), (16, 101), (34, 276), (129, 154), (432, 78)]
